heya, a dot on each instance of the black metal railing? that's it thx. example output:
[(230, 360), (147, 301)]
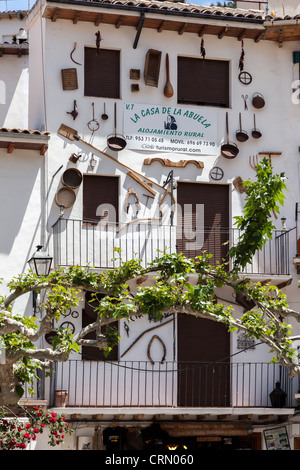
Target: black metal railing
[(84, 243), (171, 384)]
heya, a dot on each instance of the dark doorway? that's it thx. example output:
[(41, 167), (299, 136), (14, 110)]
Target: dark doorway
[(203, 364)]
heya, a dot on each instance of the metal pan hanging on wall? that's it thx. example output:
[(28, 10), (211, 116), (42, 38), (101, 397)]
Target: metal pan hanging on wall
[(241, 135), (229, 149), (258, 101), (65, 197), (72, 177), (256, 134), (116, 141)]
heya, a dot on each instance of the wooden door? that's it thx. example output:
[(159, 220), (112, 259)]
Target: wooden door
[(203, 362)]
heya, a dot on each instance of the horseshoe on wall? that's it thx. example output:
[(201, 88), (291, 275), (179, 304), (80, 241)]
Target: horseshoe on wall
[(161, 201), (130, 192), (142, 334), (71, 55), (149, 347)]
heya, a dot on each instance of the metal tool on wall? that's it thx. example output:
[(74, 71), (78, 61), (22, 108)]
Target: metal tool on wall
[(256, 134), (229, 149), (241, 135), (245, 97), (93, 124), (71, 55), (116, 141), (104, 116), (132, 192), (74, 113)]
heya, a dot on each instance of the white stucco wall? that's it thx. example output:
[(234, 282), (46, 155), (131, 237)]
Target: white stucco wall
[(51, 43), (273, 73), (13, 79)]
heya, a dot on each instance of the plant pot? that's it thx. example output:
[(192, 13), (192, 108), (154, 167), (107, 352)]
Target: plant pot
[(61, 398)]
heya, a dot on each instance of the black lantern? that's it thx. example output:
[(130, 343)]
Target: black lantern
[(40, 262)]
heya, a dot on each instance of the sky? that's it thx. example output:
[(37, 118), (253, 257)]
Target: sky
[(23, 4)]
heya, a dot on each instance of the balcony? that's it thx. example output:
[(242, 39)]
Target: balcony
[(137, 384), (84, 243)]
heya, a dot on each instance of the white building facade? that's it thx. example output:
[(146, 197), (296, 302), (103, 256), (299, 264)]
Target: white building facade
[(149, 90)]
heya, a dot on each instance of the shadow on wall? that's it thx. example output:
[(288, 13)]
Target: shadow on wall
[(20, 199), (14, 92)]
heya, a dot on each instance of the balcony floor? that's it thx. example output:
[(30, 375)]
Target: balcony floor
[(163, 414)]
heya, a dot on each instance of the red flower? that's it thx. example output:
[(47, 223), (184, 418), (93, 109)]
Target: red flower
[(36, 430), (39, 414), (53, 415), (23, 446), (11, 444), (4, 421), (52, 420), (57, 442), (42, 425), (19, 429), (34, 437), (28, 426), (12, 426), (26, 435)]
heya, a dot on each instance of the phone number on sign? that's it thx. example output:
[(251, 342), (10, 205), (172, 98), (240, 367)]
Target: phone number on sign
[(139, 138)]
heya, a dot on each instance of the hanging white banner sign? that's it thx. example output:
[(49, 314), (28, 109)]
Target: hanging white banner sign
[(171, 129)]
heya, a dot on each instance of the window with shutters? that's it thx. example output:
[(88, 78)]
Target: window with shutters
[(203, 82), (102, 73), (100, 198)]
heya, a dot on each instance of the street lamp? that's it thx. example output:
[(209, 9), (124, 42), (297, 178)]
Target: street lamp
[(40, 262)]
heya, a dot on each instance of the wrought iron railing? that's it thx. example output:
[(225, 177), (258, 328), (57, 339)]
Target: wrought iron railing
[(171, 384), (84, 243)]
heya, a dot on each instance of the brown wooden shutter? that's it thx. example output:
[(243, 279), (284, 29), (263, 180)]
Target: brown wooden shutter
[(90, 353), (203, 82), (102, 73), (215, 231), (203, 356), (100, 190)]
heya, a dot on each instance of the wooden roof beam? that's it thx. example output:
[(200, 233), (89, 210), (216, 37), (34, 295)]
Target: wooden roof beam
[(76, 17), (201, 31), (182, 29), (44, 149), (120, 21), (260, 36), (98, 19), (161, 26), (223, 32), (280, 38), (55, 14), (242, 35), (11, 147)]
